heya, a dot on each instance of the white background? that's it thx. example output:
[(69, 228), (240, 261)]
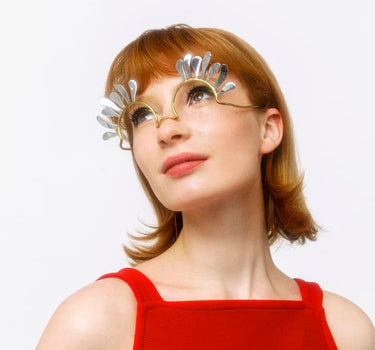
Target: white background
[(67, 198)]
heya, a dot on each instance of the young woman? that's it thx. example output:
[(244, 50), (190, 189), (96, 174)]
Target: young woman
[(212, 143)]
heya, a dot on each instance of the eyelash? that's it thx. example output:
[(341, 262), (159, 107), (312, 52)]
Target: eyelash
[(137, 114), (197, 89)]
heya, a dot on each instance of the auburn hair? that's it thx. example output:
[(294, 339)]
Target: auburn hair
[(153, 55)]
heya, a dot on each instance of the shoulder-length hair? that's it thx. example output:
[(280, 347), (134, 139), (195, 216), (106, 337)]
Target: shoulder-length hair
[(153, 55)]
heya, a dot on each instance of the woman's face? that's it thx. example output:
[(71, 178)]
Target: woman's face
[(201, 157)]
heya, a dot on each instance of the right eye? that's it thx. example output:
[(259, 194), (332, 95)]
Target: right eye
[(140, 115), (198, 94)]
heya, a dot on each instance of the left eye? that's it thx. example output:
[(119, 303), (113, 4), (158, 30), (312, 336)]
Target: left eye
[(198, 94), (139, 115)]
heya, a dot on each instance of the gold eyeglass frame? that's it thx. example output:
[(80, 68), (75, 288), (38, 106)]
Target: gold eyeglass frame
[(159, 120)]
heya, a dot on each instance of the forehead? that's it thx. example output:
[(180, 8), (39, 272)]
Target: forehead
[(166, 85), (160, 87)]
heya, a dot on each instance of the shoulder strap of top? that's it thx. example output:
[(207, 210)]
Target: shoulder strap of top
[(143, 288), (310, 291)]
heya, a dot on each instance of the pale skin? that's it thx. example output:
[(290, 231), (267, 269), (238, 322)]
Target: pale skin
[(222, 251)]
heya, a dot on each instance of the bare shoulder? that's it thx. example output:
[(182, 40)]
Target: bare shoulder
[(99, 316), (349, 325)]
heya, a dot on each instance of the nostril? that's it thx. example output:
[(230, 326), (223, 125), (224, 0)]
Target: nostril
[(171, 131)]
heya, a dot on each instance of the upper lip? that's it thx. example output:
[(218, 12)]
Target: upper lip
[(181, 158)]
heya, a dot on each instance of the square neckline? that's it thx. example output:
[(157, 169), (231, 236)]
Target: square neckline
[(156, 296)]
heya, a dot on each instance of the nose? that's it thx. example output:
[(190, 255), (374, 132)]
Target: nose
[(171, 130), (161, 119)]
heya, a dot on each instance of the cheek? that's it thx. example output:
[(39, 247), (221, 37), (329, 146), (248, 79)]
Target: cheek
[(142, 162), (140, 156), (149, 161), (143, 151), (238, 132), (238, 148)]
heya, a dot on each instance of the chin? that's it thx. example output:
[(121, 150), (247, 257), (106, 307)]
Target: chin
[(204, 192), (201, 199)]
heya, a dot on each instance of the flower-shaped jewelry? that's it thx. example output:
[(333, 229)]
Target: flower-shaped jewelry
[(114, 107), (193, 70)]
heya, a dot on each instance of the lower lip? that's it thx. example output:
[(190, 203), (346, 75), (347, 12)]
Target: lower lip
[(184, 168)]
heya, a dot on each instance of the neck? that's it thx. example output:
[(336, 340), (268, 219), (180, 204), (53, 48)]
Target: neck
[(224, 248)]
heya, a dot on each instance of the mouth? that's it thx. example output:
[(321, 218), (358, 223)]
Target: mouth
[(182, 163)]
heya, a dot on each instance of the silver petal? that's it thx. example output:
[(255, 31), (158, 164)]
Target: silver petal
[(106, 102), (196, 64), (212, 70), (228, 86), (222, 76), (180, 69), (187, 60), (109, 134), (105, 123), (205, 62), (115, 97), (109, 112), (123, 92), (133, 88)]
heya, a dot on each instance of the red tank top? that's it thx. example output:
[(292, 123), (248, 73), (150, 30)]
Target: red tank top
[(227, 324)]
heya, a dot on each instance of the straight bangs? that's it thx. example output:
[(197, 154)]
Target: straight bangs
[(154, 54)]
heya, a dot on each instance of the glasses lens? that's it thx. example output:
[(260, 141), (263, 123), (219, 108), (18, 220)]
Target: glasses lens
[(139, 113), (193, 98)]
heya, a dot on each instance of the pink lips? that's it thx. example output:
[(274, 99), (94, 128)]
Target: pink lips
[(182, 163)]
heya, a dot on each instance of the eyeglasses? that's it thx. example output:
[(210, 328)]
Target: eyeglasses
[(195, 96)]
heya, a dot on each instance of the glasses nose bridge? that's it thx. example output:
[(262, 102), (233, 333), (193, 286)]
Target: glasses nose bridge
[(172, 114)]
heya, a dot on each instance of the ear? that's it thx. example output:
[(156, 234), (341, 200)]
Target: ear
[(271, 129)]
